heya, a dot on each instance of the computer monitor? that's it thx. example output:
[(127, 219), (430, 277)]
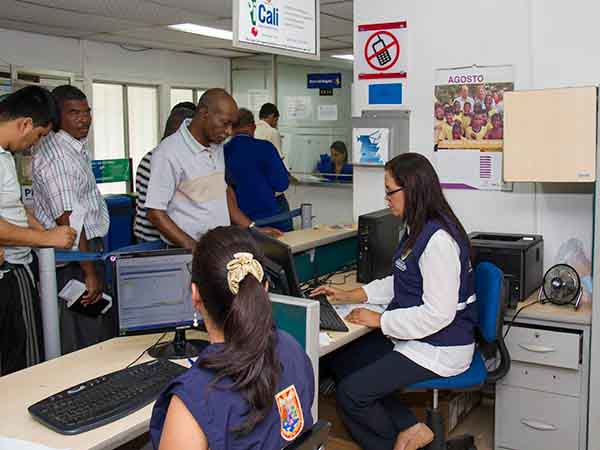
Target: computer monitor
[(280, 254), (153, 292)]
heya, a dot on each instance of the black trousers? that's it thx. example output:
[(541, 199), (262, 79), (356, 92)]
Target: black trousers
[(367, 372), (77, 330), (21, 342)]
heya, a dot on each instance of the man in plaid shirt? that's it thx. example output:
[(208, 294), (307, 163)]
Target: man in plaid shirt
[(65, 193)]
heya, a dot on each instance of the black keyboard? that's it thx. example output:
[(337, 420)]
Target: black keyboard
[(105, 399), (329, 318)]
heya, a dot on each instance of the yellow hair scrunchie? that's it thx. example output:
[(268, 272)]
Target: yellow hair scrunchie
[(241, 265)]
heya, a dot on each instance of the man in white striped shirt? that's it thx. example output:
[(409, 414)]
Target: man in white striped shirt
[(65, 193), (143, 229)]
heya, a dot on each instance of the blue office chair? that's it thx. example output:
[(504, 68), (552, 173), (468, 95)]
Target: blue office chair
[(489, 291)]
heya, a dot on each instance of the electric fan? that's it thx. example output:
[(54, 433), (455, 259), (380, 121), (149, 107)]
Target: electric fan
[(562, 285)]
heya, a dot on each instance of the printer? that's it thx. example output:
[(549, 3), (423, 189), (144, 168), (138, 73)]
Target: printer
[(519, 256)]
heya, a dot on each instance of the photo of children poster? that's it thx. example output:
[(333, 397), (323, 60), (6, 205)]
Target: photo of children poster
[(468, 126)]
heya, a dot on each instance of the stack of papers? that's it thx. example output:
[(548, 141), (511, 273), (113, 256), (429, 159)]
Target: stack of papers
[(344, 310)]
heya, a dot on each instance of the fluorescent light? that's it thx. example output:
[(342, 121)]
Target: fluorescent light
[(204, 31), (347, 57)]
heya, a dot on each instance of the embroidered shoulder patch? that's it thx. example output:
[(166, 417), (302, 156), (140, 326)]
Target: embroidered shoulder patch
[(290, 413)]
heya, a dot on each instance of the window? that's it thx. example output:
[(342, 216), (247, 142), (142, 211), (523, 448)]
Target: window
[(142, 104), (179, 95), (125, 122)]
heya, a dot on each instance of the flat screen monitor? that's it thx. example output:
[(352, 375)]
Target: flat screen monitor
[(153, 291), (281, 254)]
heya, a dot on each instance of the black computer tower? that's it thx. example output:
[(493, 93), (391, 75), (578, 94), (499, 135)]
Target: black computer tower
[(379, 233)]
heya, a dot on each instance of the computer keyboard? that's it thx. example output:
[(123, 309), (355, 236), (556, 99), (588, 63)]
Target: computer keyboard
[(105, 399), (329, 318)]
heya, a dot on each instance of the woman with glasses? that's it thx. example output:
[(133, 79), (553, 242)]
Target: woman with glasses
[(427, 328), (253, 386)]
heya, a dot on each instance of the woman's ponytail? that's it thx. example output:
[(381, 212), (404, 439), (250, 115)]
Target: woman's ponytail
[(249, 357)]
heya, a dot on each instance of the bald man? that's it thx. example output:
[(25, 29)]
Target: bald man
[(187, 192)]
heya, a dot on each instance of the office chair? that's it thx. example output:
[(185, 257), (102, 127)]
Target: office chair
[(312, 439), (490, 301)]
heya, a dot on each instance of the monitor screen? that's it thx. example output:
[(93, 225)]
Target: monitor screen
[(153, 291), (281, 254)]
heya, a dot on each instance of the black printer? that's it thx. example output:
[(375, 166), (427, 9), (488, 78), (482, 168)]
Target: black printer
[(519, 256)]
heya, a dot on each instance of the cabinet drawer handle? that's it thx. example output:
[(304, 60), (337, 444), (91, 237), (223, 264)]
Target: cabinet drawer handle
[(537, 348), (537, 425)]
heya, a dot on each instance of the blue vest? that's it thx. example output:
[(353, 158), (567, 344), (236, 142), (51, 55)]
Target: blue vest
[(220, 410), (408, 288)]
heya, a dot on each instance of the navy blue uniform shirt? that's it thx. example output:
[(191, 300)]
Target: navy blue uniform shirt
[(255, 170), (326, 167), (220, 410)]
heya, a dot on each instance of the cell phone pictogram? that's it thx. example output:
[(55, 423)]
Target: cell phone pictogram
[(383, 54)]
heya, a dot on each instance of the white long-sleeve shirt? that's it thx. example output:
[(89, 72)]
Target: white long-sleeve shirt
[(440, 268)]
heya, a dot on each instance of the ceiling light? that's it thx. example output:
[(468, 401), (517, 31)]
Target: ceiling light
[(204, 31), (347, 57)]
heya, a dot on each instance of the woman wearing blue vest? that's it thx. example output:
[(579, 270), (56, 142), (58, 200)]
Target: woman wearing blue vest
[(427, 328), (253, 386)]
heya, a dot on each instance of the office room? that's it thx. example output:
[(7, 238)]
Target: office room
[(390, 81)]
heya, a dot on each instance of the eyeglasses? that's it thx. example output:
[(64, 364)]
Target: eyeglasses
[(188, 265), (388, 194)]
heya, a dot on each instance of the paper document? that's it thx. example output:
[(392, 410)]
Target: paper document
[(73, 291), (344, 310), (76, 222), (324, 338), (17, 444)]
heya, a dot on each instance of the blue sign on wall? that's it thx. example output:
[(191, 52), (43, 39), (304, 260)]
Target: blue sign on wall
[(324, 80)]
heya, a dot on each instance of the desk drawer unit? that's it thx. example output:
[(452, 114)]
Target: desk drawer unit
[(537, 420), (539, 402), (542, 346)]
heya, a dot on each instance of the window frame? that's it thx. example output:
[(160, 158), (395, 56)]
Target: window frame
[(126, 134), (195, 92)]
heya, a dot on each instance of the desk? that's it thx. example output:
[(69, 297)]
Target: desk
[(309, 238), (542, 403), (24, 388), (323, 249), (345, 281)]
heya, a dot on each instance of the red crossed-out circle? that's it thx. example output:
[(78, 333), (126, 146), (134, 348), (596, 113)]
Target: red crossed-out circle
[(394, 43)]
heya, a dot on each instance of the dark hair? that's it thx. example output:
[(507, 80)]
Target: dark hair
[(248, 357), (176, 118), (188, 105), (267, 110), (424, 199), (32, 101), (65, 93), (340, 147), (244, 118)]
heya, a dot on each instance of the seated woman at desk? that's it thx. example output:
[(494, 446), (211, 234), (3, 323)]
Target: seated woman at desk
[(427, 329), (335, 166), (253, 386)]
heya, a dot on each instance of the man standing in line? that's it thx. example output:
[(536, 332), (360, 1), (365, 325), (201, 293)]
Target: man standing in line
[(65, 193), (187, 192), (266, 129), (255, 171), (25, 117)]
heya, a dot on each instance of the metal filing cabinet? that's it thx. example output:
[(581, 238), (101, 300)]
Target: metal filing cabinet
[(542, 403)]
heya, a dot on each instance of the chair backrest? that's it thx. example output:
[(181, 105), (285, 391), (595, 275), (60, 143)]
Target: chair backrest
[(489, 285), (488, 288), (312, 439)]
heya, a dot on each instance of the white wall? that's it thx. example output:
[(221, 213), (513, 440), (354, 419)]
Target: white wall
[(548, 45), (91, 61)]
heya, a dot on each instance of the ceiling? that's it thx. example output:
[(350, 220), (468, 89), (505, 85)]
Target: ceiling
[(142, 23)]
